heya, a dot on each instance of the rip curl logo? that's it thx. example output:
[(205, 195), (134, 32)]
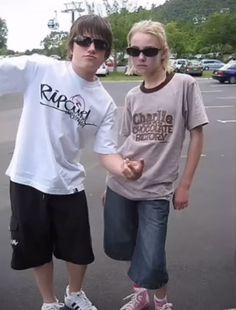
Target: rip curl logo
[(74, 106), (14, 242)]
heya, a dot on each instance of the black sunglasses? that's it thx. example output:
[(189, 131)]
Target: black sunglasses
[(99, 44), (148, 51)]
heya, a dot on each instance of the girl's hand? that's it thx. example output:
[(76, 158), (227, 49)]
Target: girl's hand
[(133, 169), (181, 198)]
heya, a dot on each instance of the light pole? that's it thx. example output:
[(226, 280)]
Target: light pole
[(72, 7)]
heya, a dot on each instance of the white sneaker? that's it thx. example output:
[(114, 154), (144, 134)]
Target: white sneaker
[(52, 306), (78, 301)]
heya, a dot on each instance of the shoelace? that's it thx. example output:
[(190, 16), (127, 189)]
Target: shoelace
[(167, 306), (83, 301), (135, 299), (55, 306)]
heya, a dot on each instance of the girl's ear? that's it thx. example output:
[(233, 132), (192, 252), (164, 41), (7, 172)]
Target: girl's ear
[(164, 57), (164, 54)]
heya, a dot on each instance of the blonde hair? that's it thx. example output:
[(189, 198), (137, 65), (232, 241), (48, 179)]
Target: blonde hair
[(156, 29)]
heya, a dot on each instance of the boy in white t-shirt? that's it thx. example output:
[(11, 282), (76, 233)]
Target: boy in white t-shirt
[(64, 106), (156, 116)]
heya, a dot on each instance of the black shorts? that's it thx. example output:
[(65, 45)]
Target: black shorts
[(43, 225)]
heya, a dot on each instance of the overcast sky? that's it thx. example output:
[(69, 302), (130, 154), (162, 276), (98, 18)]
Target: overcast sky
[(27, 19)]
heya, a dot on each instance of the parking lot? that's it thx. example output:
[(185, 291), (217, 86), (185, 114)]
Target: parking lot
[(201, 247)]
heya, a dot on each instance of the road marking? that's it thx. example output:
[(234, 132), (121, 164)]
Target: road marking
[(226, 121), (218, 85), (233, 98), (211, 91), (218, 106)]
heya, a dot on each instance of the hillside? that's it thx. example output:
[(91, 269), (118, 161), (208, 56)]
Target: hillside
[(193, 10)]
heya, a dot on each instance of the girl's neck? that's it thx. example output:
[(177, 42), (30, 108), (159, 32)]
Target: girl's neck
[(155, 79)]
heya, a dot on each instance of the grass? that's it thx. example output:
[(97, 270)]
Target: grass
[(120, 76), (207, 74)]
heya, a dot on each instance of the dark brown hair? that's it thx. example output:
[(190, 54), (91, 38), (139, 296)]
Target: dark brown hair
[(94, 25)]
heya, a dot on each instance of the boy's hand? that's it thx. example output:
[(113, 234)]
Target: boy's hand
[(133, 169)]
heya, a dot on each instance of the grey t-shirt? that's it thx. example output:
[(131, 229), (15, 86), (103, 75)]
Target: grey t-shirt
[(154, 125)]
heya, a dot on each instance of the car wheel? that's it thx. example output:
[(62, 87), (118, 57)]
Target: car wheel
[(232, 80), (206, 68)]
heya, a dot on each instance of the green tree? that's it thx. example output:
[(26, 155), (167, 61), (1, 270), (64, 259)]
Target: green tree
[(177, 39), (3, 34), (192, 26), (219, 33), (54, 43), (121, 20)]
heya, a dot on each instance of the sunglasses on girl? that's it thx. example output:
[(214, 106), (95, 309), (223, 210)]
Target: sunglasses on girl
[(148, 51), (99, 44)]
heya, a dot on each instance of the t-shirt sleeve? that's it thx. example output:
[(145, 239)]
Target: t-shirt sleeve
[(126, 121), (195, 109), (106, 136), (14, 74)]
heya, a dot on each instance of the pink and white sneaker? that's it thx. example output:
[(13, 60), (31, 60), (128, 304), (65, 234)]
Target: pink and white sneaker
[(162, 306), (139, 300)]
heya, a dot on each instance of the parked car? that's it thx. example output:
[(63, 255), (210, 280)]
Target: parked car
[(56, 57), (103, 70), (110, 64), (193, 67), (211, 64), (178, 63), (227, 73), (172, 63)]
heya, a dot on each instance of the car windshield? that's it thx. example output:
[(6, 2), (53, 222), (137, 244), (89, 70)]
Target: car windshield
[(193, 62), (229, 65)]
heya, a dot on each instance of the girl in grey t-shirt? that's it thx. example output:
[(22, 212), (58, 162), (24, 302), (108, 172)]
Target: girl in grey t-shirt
[(155, 119)]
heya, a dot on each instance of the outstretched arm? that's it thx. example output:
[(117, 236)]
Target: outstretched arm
[(181, 195), (15, 74)]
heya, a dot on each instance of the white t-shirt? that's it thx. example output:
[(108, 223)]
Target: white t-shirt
[(61, 113)]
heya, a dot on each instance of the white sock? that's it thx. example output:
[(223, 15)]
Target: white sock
[(72, 293), (161, 301), (50, 303)]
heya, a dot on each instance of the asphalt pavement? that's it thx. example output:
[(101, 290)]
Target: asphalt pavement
[(201, 242)]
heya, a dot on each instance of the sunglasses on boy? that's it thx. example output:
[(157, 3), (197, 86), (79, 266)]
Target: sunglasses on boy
[(148, 51), (100, 45)]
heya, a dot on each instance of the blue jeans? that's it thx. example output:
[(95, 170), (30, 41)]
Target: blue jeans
[(136, 231)]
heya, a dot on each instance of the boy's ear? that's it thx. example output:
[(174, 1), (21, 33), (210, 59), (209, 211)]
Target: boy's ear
[(106, 56), (71, 52)]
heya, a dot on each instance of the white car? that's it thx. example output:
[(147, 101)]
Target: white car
[(178, 63), (56, 57), (103, 70)]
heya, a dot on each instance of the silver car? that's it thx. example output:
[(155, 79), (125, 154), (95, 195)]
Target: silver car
[(211, 64)]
